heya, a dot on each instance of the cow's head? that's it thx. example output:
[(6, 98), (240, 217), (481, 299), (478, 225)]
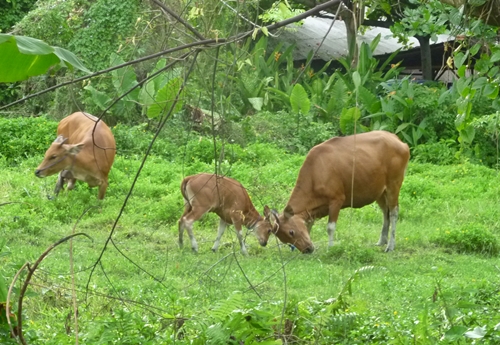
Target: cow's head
[(264, 227), (292, 229), (56, 157)]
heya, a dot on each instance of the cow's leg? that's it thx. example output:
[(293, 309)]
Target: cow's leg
[(333, 216), (389, 205), (71, 183), (102, 189), (222, 228), (65, 176), (59, 183), (393, 215), (385, 227)]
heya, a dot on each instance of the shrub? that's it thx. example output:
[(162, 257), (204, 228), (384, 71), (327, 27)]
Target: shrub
[(281, 129), (442, 153), (25, 137), (471, 238)]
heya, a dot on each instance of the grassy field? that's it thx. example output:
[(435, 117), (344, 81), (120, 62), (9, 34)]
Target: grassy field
[(440, 285)]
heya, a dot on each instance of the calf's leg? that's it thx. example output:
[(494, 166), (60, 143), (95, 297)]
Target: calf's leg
[(222, 228), (191, 214)]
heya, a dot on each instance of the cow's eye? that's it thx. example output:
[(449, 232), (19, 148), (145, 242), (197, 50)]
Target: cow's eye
[(53, 157), (292, 233)]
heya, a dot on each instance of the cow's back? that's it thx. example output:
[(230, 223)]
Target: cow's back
[(379, 159), (99, 143)]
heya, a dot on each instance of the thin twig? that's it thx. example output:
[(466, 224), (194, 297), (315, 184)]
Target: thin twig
[(7, 303), (31, 270), (72, 272), (285, 294), (179, 19), (244, 275)]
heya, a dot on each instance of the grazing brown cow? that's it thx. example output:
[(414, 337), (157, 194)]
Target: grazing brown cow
[(327, 182), (227, 198), (83, 150)]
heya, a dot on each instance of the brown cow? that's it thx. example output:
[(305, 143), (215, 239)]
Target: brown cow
[(325, 185), (227, 198), (83, 150)]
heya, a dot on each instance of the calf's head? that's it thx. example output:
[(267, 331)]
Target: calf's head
[(264, 227), (58, 157), (292, 229)]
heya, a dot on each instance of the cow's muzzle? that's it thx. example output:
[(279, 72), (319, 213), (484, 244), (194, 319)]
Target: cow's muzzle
[(308, 250), (38, 173)]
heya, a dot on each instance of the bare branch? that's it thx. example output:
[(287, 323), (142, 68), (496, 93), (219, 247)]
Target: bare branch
[(179, 19)]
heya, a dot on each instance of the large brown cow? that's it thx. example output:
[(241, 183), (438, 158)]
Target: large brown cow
[(351, 171), (227, 198), (83, 150)]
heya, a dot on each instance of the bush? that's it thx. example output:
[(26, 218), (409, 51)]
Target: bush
[(281, 128), (442, 153), (22, 137), (471, 238)]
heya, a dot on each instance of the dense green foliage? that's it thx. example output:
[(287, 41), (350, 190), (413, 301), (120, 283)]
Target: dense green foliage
[(12, 11)]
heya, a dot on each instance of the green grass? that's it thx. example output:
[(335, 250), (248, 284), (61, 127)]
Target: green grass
[(413, 295)]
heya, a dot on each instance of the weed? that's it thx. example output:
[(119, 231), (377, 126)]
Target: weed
[(473, 238)]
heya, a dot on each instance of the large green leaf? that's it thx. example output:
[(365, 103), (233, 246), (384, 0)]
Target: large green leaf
[(23, 57), (165, 98), (99, 98), (299, 100), (348, 119), (124, 79)]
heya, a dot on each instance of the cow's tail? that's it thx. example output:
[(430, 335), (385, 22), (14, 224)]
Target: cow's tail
[(187, 202)]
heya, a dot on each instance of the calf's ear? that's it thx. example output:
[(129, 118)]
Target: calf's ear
[(73, 149)]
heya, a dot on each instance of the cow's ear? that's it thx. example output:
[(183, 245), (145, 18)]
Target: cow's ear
[(288, 212), (60, 140), (73, 149)]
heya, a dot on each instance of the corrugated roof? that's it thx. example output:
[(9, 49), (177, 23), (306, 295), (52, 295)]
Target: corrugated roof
[(309, 36)]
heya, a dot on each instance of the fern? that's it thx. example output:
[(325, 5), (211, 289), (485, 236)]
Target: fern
[(224, 309), (217, 334)]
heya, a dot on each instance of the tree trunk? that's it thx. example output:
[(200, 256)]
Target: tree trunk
[(426, 57), (352, 44)]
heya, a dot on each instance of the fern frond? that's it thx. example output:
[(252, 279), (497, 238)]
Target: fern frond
[(217, 334), (223, 309)]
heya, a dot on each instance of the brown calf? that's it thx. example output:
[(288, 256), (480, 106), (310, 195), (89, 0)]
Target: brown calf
[(227, 198)]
